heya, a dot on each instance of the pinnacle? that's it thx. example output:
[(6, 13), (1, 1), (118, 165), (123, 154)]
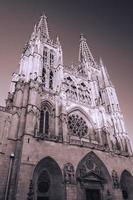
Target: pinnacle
[(82, 38), (43, 15)]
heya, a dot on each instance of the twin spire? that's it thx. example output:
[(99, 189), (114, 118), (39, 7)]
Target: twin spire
[(41, 29)]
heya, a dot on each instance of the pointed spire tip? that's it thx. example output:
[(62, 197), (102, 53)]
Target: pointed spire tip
[(82, 37), (43, 15)]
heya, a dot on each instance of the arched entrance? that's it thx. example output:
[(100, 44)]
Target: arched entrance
[(126, 183), (47, 181), (93, 179)]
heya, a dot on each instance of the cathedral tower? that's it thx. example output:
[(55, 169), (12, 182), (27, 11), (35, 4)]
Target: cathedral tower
[(62, 131)]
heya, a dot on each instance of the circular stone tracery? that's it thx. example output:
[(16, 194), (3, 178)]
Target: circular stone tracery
[(77, 125)]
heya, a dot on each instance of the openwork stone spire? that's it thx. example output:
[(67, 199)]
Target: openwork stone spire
[(43, 26), (85, 53)]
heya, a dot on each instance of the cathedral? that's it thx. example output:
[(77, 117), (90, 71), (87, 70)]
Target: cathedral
[(62, 133)]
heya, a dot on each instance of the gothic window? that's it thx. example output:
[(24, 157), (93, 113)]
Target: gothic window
[(51, 59), (51, 80), (43, 76), (44, 122), (118, 147), (77, 125), (45, 54), (41, 121), (84, 94), (71, 89), (104, 139), (43, 184)]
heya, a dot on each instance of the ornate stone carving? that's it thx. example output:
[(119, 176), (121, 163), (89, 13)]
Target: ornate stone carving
[(77, 125), (70, 88), (84, 94), (69, 173), (89, 166), (115, 179)]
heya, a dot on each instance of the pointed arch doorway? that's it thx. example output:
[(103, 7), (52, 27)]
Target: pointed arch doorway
[(126, 182), (93, 179), (48, 180)]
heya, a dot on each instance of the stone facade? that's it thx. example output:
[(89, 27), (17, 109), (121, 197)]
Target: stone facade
[(62, 131)]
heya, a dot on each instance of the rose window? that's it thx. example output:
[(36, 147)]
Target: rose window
[(77, 125)]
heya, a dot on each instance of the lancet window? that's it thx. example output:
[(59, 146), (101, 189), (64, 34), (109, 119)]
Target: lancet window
[(43, 76), (51, 80), (51, 58), (45, 55), (44, 122), (105, 139), (125, 145)]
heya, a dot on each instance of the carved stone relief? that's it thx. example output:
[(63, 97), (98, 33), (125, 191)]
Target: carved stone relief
[(69, 177), (115, 179)]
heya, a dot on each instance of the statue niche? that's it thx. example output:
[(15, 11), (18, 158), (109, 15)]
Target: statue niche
[(69, 177)]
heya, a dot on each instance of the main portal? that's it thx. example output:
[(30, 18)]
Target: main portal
[(93, 194)]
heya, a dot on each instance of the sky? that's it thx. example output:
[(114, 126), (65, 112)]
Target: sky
[(106, 24)]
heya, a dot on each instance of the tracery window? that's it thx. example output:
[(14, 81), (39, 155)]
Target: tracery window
[(44, 121), (45, 54), (71, 89), (43, 76), (84, 94), (51, 58), (77, 125), (51, 80)]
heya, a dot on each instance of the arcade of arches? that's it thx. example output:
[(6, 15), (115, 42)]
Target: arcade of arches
[(90, 181)]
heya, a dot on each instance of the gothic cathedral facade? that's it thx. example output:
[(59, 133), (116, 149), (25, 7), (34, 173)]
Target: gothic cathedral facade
[(62, 133)]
